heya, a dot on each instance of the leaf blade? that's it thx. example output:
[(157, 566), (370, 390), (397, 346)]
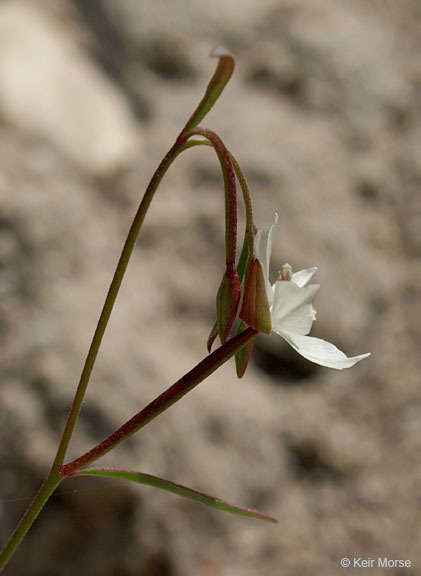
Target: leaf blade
[(179, 489), (217, 83)]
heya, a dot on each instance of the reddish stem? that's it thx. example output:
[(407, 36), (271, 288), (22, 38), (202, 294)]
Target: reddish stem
[(164, 401), (230, 193)]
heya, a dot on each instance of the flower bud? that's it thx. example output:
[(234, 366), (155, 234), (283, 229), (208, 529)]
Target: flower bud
[(255, 310), (227, 301)]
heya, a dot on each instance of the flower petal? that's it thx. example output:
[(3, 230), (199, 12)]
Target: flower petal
[(321, 352), (292, 310), (263, 248), (298, 321), (303, 277)]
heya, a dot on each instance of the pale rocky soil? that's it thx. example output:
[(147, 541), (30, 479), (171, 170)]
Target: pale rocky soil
[(324, 115)]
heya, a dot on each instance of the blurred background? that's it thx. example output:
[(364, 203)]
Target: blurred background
[(323, 113)]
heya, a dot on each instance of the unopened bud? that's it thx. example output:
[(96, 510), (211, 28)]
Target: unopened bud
[(227, 301), (255, 311)]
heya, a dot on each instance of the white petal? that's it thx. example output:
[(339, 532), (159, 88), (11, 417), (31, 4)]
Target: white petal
[(299, 321), (321, 352), (263, 248), (303, 277), (292, 310)]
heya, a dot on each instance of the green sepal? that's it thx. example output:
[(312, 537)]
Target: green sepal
[(242, 357), (245, 257), (211, 338)]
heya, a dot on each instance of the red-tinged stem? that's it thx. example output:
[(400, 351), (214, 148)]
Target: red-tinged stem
[(250, 227), (230, 193), (164, 401)]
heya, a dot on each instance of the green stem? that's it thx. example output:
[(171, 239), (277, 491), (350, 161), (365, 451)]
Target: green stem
[(174, 393), (38, 503)]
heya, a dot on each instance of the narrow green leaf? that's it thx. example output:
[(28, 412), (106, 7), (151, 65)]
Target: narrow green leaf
[(216, 85), (150, 480)]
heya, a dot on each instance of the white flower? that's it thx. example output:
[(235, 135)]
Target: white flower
[(292, 311)]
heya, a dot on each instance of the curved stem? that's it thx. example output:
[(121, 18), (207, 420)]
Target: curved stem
[(250, 227), (230, 192), (164, 401)]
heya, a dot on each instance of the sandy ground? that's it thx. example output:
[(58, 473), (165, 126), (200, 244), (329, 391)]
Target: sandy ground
[(323, 113)]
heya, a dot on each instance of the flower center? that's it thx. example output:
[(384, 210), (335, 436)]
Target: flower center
[(285, 273)]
